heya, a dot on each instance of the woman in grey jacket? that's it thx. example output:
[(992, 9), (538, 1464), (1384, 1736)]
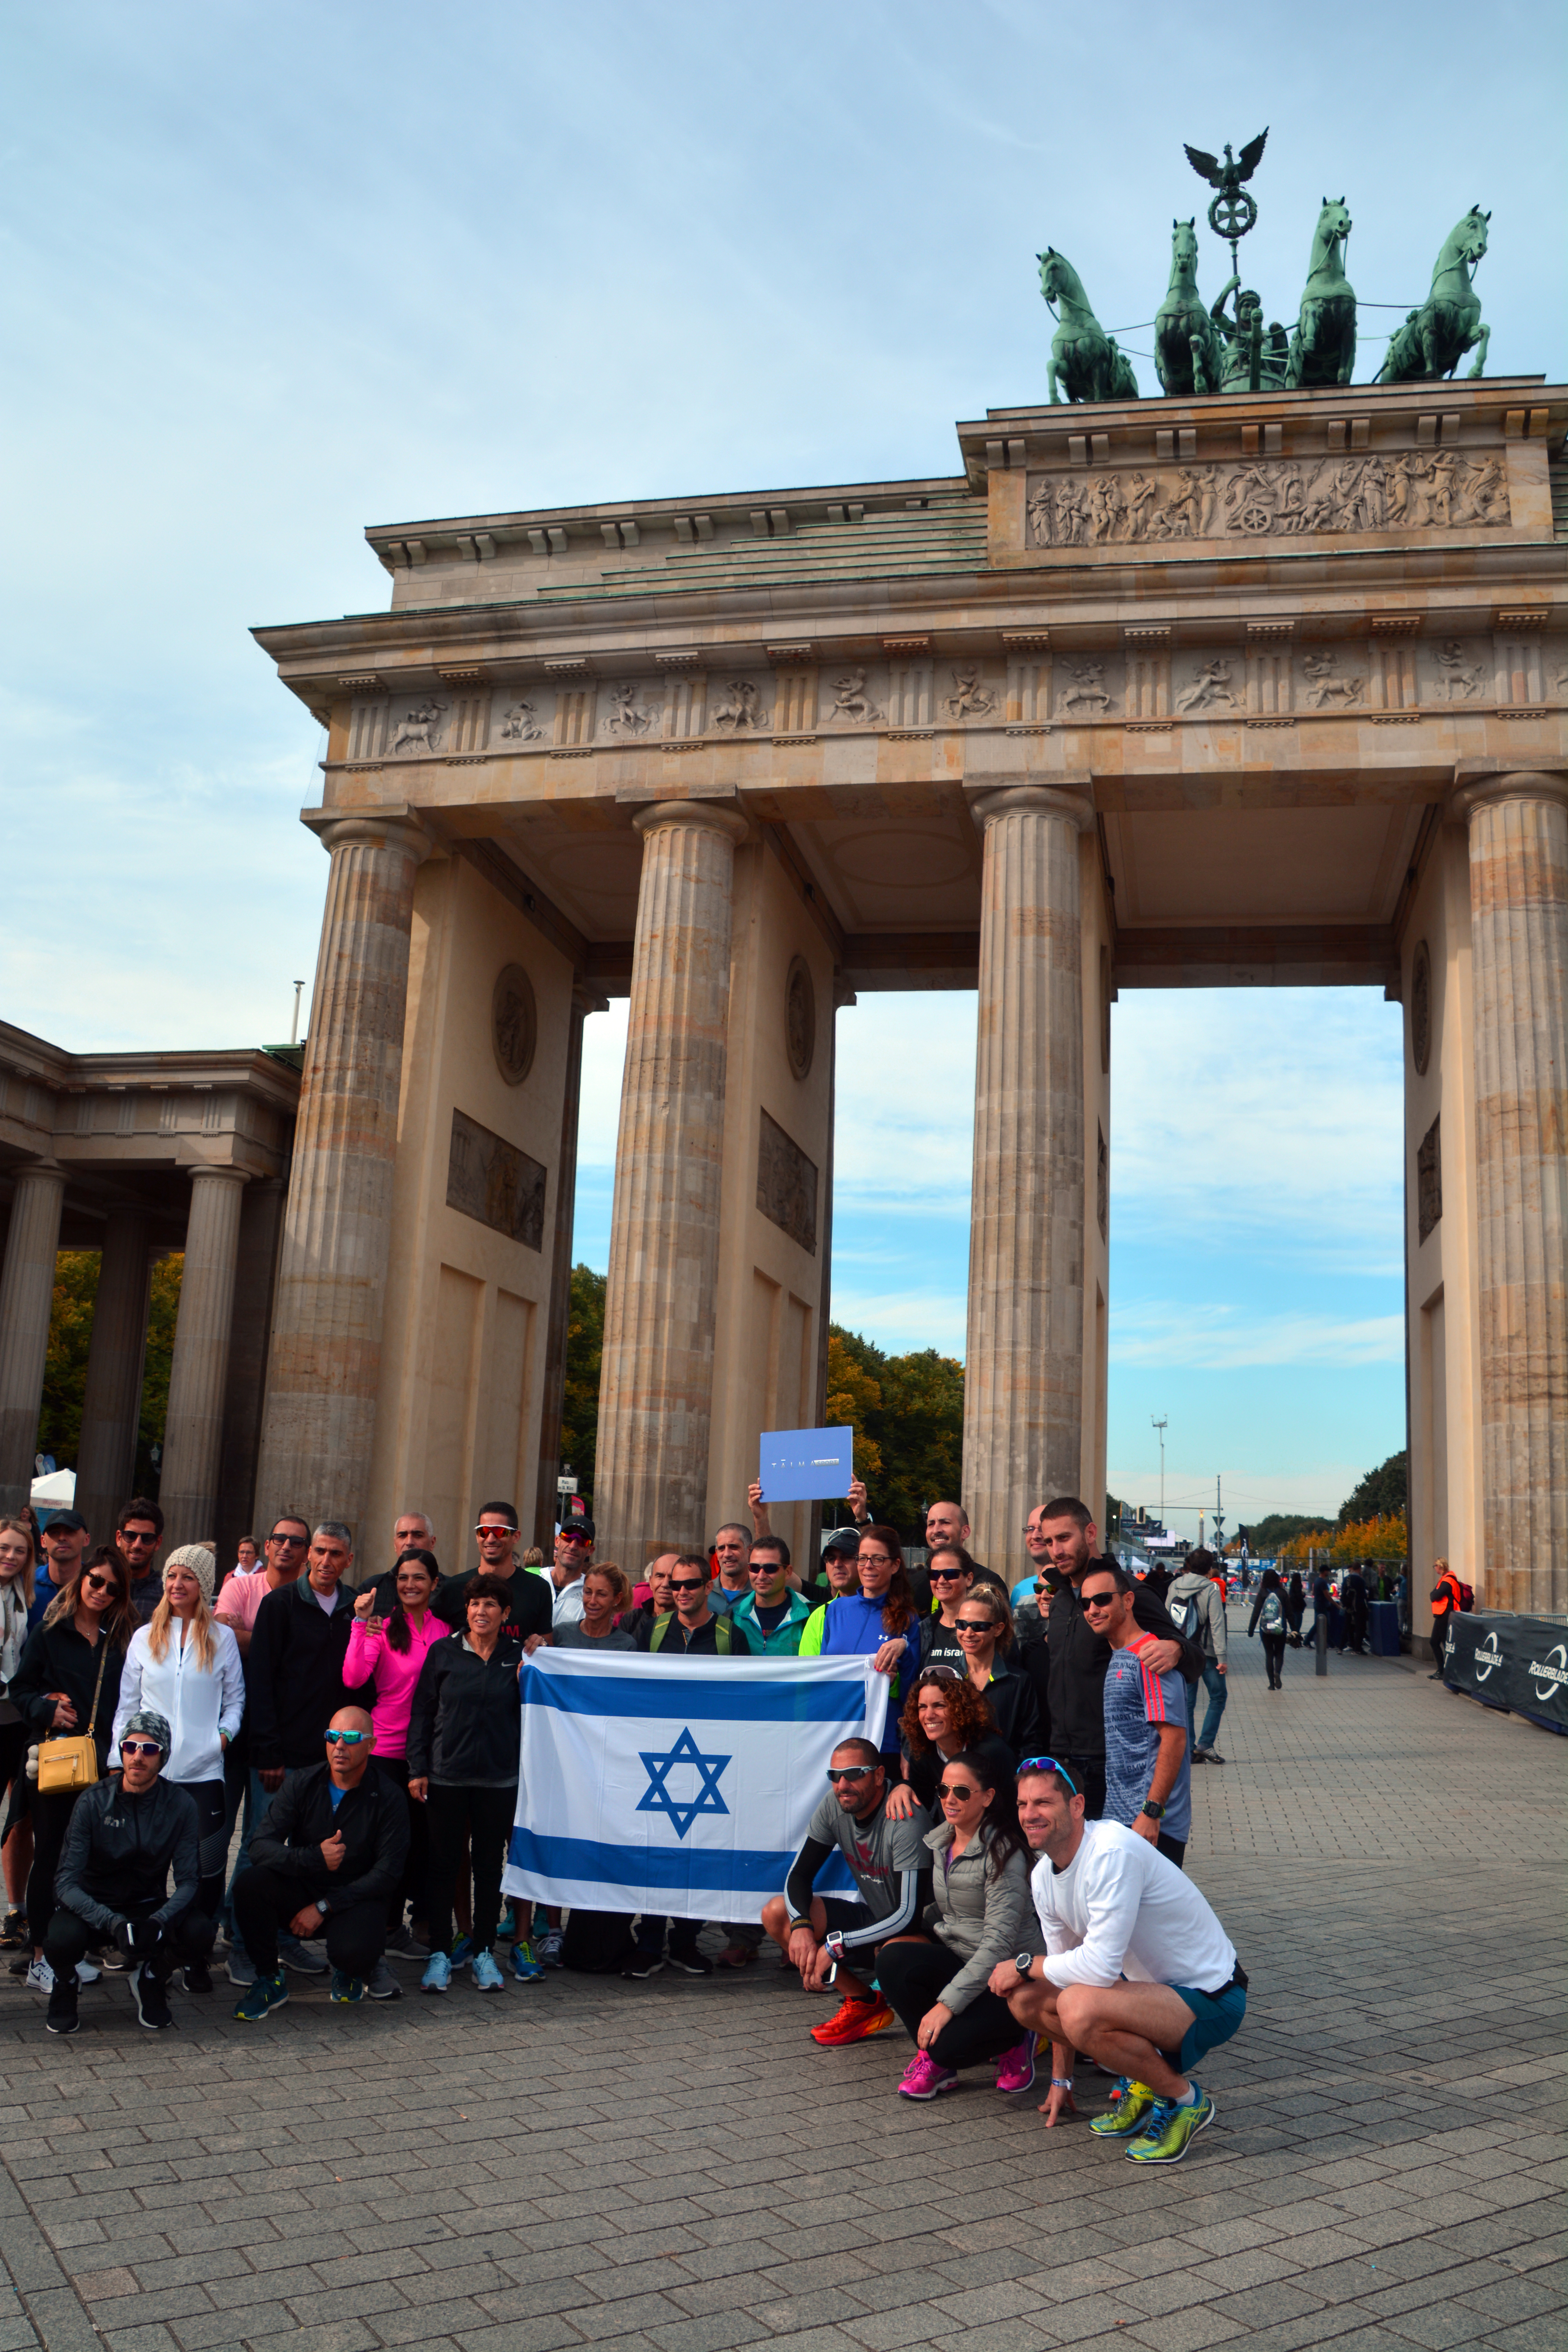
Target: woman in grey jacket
[(980, 1914)]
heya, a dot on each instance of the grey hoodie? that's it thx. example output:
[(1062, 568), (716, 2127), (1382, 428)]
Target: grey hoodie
[(1191, 1585)]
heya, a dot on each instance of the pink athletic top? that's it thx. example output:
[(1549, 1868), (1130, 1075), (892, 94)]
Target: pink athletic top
[(396, 1672)]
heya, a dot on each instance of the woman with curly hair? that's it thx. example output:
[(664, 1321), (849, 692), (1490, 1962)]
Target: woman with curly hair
[(878, 1622), (945, 1716)]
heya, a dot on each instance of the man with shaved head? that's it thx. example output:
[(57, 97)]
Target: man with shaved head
[(326, 1860)]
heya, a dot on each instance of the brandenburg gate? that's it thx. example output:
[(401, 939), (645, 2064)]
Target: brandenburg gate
[(1260, 688)]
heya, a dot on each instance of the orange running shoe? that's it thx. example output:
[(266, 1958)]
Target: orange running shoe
[(855, 2020)]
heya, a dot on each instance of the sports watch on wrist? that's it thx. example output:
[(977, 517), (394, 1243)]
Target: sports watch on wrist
[(1156, 1812), (1023, 1962), (833, 1942)]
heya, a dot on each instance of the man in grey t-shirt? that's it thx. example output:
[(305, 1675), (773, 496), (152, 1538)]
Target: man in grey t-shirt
[(891, 1864)]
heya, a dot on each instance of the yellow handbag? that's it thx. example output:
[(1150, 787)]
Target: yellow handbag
[(68, 1765)]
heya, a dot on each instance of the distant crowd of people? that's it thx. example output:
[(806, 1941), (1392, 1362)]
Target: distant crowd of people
[(1016, 1839)]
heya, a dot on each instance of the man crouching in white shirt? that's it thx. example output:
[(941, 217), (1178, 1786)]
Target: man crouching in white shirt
[(1138, 1973)]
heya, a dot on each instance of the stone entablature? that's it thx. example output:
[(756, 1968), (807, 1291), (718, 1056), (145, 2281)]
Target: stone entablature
[(103, 1114)]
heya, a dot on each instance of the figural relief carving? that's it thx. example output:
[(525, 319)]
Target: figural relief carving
[(1211, 689), (1270, 498), (627, 716), (419, 728), (1087, 690), (1461, 680), (514, 1023), (969, 698), (739, 709), (519, 727), (1324, 684), (851, 703)]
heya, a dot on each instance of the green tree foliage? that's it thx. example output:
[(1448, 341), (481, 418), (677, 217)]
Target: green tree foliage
[(584, 1348), (1382, 1493), (913, 1417), (65, 1366), (1266, 1536)]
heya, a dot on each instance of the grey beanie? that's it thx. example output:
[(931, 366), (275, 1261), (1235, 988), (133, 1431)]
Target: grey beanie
[(151, 1726), (199, 1561)]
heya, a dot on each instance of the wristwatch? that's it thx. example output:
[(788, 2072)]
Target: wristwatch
[(1023, 1962), (1156, 1812), (833, 1942)]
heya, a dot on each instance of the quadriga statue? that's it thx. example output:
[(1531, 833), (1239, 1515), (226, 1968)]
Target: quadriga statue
[(1435, 338)]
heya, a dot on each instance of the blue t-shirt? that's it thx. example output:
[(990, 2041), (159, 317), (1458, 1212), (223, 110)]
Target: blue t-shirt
[(1137, 1704), (854, 1629), (336, 1795)]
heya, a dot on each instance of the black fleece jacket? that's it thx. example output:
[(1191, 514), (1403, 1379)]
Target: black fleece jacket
[(119, 1850), (372, 1820), (294, 1679), (465, 1725), (56, 1657)]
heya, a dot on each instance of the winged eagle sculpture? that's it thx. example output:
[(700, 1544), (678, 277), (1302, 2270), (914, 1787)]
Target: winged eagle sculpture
[(1229, 176)]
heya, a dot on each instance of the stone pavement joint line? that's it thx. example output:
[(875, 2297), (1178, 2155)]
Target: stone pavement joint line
[(675, 2167)]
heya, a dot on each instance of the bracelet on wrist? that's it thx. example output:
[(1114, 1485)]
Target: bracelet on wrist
[(1061, 2081)]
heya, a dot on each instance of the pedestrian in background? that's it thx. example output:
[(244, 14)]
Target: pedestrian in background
[(1268, 1612), (1197, 1607)]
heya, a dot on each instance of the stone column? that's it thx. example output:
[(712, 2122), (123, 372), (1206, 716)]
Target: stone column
[(193, 1433), (1519, 942), (1024, 1376), (111, 1406), (650, 1484), (584, 1000), (324, 1369), (26, 1297)]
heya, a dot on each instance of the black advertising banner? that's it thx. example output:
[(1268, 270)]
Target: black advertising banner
[(1519, 1663)]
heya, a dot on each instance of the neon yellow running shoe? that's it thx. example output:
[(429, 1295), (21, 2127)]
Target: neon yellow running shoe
[(1170, 2129), (1133, 2101)]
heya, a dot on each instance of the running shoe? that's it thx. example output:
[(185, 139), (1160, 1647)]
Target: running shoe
[(523, 1964), (640, 1965), (460, 1951), (403, 1944), (345, 1988), (197, 1977), (924, 2078), (40, 1977), (853, 2020), (487, 1978), (152, 1999), (437, 1975), (112, 1960), (14, 1933), (1170, 2129), (309, 1960), (547, 1950), (737, 1955), (60, 2016), (88, 1971), (1016, 2070), (381, 1985), (239, 1968), (1131, 2102), (690, 1961), (261, 1995)]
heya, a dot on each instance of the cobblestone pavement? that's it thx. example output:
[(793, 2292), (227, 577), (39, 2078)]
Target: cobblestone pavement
[(676, 2165)]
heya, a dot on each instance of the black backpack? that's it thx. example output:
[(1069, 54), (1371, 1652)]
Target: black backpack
[(598, 1943)]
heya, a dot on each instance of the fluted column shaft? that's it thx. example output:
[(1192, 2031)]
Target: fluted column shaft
[(26, 1297), (1519, 942), (193, 1432), (111, 1405), (656, 1385), (1022, 1407), (324, 1368)]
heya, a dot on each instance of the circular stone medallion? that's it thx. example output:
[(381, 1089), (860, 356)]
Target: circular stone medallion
[(514, 1023), (1421, 1009), (800, 1017)]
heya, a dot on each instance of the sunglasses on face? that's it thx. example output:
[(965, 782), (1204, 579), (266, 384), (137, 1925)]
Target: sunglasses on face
[(688, 1584), (140, 1747), (852, 1771), (1098, 1599), (482, 1532), (564, 1537), (962, 1625), (948, 1575), (345, 1738), (95, 1583), (289, 1543), (959, 1796), (127, 1536)]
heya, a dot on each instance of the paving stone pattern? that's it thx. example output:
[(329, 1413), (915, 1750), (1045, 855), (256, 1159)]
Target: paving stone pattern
[(677, 2165)]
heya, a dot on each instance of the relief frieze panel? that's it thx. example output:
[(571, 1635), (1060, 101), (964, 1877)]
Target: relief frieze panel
[(1282, 497)]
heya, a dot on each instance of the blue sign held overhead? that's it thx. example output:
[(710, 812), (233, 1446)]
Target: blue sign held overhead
[(806, 1465)]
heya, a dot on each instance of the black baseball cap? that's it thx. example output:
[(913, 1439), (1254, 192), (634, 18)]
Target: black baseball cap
[(575, 1527), (65, 1522), (842, 1539)]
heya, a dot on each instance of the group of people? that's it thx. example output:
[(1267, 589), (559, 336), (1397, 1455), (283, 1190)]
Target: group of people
[(363, 1741)]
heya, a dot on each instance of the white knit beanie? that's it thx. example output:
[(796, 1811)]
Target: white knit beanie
[(201, 1564)]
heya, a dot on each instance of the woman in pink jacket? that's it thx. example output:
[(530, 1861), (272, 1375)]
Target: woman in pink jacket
[(391, 1652)]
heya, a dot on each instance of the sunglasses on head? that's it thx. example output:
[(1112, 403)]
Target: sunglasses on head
[(140, 1747), (1047, 1764)]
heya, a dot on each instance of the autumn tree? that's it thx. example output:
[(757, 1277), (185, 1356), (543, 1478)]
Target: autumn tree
[(65, 1365), (584, 1350)]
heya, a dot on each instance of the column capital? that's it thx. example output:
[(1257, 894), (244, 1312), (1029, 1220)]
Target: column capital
[(1033, 800), (699, 816), (392, 828), (1481, 783)]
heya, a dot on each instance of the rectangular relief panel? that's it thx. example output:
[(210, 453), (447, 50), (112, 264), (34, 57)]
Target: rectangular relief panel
[(450, 1393), (494, 1182), (503, 1457), (786, 1184)]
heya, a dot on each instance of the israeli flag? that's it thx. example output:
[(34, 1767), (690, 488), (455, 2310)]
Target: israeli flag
[(676, 1785)]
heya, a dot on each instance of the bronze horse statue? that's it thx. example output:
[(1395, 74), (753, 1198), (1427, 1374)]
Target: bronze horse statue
[(1084, 363), (1435, 338), (1322, 348), (1189, 356)]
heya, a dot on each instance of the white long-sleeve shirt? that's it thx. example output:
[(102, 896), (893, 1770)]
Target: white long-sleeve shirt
[(1120, 1908), (199, 1706)]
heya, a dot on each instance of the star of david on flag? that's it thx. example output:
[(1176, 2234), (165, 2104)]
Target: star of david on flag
[(678, 1785), (659, 1798)]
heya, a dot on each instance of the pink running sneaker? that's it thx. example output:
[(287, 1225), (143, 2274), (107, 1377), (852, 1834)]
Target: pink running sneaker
[(1017, 2069), (924, 2078)]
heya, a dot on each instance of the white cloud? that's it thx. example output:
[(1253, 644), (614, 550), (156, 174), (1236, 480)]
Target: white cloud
[(1222, 1337)]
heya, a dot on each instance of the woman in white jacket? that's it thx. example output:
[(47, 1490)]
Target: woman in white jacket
[(188, 1667)]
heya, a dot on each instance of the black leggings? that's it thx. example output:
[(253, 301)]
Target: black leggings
[(486, 1814), (1274, 1657), (416, 1873), (51, 1814), (913, 1974), (212, 1831)]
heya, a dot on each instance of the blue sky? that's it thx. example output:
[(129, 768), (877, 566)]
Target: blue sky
[(275, 272)]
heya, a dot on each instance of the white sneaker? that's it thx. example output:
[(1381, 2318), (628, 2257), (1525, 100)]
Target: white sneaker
[(40, 1977), (88, 1972)]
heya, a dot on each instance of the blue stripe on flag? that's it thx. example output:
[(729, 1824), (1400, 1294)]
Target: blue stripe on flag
[(677, 1699), (675, 1868)]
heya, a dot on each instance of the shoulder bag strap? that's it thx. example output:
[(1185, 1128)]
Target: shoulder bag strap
[(97, 1687)]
